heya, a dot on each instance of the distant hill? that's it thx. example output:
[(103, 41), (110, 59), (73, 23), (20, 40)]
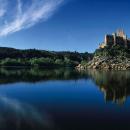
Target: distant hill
[(34, 57)]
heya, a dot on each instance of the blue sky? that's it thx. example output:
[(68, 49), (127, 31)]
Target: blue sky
[(69, 25)]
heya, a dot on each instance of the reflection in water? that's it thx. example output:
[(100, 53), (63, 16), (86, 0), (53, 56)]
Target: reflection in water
[(10, 75), (14, 114), (114, 84), (70, 97)]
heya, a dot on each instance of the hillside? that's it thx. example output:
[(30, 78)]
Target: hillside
[(115, 57), (33, 57)]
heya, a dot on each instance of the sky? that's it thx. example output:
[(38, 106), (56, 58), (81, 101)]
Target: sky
[(61, 25)]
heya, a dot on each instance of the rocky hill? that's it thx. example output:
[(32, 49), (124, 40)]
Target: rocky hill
[(115, 57)]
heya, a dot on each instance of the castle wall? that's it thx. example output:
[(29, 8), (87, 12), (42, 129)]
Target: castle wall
[(109, 39), (120, 41), (128, 43)]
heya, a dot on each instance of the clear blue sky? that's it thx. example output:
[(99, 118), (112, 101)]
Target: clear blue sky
[(70, 25)]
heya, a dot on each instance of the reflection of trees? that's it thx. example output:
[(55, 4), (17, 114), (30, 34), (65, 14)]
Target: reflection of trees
[(10, 75), (114, 84)]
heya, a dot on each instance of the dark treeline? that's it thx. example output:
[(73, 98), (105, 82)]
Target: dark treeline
[(33, 57)]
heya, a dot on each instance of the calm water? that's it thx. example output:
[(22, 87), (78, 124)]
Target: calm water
[(64, 99)]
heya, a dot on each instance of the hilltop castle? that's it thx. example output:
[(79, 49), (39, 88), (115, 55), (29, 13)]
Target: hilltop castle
[(118, 38)]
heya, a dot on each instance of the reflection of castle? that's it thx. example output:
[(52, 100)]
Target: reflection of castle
[(118, 38), (115, 85), (118, 96)]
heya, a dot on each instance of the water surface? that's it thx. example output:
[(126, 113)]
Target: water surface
[(64, 99)]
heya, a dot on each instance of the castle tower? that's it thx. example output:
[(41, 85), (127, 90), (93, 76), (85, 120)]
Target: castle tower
[(125, 40), (120, 33), (114, 37), (106, 41)]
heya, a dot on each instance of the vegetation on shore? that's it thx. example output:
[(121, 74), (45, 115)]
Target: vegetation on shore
[(113, 51), (41, 58), (114, 57)]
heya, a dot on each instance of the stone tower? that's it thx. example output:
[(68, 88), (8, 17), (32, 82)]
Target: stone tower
[(114, 38), (120, 33)]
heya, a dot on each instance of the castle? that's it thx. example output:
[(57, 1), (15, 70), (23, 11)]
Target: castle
[(118, 38)]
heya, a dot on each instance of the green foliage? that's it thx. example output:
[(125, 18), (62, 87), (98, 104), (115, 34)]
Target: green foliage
[(113, 51), (59, 62), (11, 62), (84, 62), (46, 62), (33, 57)]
